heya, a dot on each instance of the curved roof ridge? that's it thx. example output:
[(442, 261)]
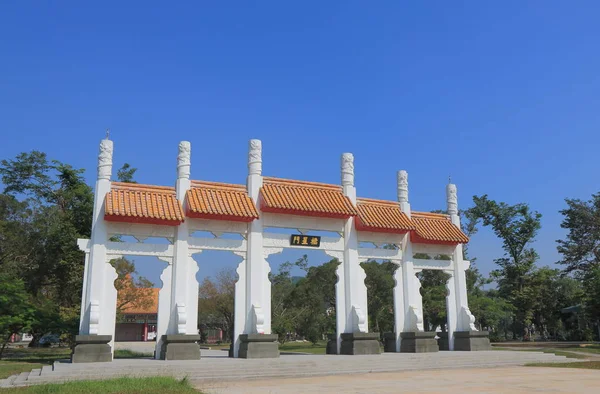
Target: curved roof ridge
[(292, 182), (222, 185), (431, 215), (141, 187), (377, 201)]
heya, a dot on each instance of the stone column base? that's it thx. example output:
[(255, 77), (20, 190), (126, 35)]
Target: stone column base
[(472, 340), (443, 342), (258, 346), (389, 342), (180, 347), (355, 343), (418, 342), (331, 344), (91, 349)]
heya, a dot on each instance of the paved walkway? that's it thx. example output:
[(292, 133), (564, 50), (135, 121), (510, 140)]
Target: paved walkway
[(512, 380)]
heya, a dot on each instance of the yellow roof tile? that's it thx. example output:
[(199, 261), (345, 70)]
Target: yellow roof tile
[(135, 203), (436, 228), (305, 198), (221, 201), (382, 216)]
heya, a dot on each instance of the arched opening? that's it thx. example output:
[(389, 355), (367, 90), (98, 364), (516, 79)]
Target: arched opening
[(303, 295), (216, 278)]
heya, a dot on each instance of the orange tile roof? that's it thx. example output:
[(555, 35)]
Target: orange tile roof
[(382, 216), (436, 228), (221, 201), (305, 198), (150, 309), (135, 203)]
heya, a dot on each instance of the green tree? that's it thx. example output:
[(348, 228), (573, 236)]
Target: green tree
[(314, 297), (45, 206), (517, 226), (581, 248), (433, 293), (380, 295), (216, 303), (126, 173), (16, 313)]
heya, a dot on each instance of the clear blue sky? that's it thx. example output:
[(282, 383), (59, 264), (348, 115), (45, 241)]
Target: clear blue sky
[(502, 96)]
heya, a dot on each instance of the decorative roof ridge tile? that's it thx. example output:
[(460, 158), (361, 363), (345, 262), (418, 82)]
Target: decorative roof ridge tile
[(377, 201), (141, 187), (298, 183), (431, 215), (219, 185)]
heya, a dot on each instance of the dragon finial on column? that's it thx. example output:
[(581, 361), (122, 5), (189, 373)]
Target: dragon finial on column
[(347, 169), (402, 186), (184, 159)]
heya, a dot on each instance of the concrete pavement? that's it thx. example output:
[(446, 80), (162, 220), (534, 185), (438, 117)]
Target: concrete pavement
[(512, 380)]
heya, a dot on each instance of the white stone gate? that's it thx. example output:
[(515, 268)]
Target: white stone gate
[(145, 211)]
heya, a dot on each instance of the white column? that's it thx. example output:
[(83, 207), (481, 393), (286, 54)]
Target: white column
[(164, 307), (399, 288), (398, 305), (239, 308), (464, 319), (451, 309), (355, 290), (184, 290), (258, 287), (413, 314), (99, 295), (84, 290)]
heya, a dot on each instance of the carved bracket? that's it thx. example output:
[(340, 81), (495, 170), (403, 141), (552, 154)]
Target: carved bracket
[(467, 318), (258, 319), (416, 319), (181, 319), (335, 255), (269, 251), (94, 317), (359, 320)]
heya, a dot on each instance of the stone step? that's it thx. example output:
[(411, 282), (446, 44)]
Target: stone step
[(8, 382), (209, 365), (21, 378), (327, 360), (242, 375), (217, 369), (35, 372), (291, 370), (220, 367)]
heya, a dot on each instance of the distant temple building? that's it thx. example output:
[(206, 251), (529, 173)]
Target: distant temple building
[(138, 323)]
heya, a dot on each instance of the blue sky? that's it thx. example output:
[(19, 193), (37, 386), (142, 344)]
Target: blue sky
[(501, 96)]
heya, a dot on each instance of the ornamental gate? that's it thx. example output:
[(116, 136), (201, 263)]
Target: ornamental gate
[(175, 213)]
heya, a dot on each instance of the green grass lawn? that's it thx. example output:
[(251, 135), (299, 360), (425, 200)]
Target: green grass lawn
[(126, 353), (563, 351), (587, 349), (155, 385), (303, 347), (19, 360), (582, 365)]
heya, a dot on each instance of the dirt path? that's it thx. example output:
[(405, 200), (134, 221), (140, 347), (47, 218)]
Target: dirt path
[(498, 380)]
